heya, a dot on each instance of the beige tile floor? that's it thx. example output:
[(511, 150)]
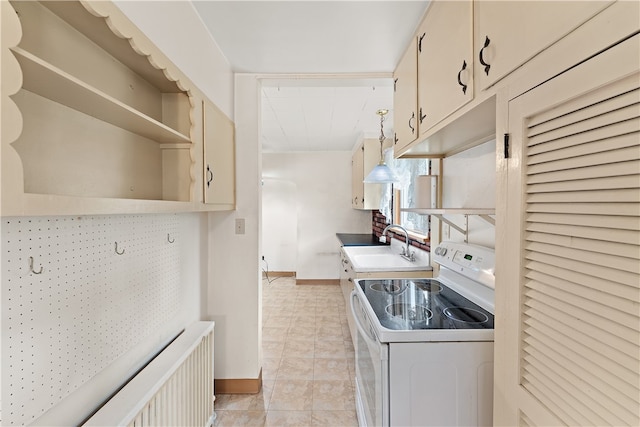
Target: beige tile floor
[(308, 366)]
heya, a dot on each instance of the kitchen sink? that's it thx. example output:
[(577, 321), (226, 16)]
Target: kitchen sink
[(383, 258)]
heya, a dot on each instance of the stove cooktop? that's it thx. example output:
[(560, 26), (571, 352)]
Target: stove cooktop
[(417, 304)]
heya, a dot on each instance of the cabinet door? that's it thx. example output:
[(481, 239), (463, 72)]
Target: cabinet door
[(372, 192), (445, 61), (509, 33), (405, 98), (568, 342), (219, 157), (357, 175)]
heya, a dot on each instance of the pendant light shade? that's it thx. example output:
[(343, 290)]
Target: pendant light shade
[(381, 174)]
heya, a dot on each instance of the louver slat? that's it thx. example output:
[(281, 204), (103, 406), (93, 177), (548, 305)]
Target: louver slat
[(599, 259), (592, 342), (578, 336), (618, 88), (615, 103), (598, 281), (597, 134), (619, 183), (589, 300), (575, 402), (624, 337), (558, 399), (585, 230), (611, 248), (572, 354), (566, 151), (575, 384), (603, 158), (599, 171), (626, 114)]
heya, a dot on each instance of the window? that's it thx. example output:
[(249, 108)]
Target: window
[(404, 195)]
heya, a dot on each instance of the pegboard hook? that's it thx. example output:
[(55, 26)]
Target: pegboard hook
[(31, 267), (169, 238), (119, 252)]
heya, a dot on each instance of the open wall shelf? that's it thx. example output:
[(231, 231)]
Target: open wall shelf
[(104, 122), (54, 84), (485, 214)]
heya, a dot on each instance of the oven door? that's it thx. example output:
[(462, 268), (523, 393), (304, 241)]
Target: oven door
[(372, 369)]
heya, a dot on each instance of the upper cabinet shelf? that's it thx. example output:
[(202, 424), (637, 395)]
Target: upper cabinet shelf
[(56, 85), (98, 120)]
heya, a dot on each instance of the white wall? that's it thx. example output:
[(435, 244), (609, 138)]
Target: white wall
[(235, 300), (469, 181), (279, 225), (322, 207), (231, 294), (176, 28), (74, 333)]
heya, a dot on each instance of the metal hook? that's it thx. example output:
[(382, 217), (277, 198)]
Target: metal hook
[(169, 238), (31, 267), (119, 253)]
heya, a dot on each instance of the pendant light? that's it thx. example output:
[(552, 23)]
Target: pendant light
[(381, 174)]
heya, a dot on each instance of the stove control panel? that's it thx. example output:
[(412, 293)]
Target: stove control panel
[(473, 261)]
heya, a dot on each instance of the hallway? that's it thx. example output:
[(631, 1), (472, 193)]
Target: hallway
[(308, 365)]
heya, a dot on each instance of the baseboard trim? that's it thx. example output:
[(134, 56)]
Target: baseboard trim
[(278, 274), (317, 281), (238, 385)]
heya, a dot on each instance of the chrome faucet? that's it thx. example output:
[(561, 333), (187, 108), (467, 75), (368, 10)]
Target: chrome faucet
[(406, 254)]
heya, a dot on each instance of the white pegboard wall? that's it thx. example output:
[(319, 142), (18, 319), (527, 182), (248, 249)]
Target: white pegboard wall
[(88, 306)]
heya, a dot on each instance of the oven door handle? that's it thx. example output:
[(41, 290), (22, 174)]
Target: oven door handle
[(359, 324)]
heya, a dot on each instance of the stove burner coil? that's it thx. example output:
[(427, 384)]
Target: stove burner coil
[(385, 287), (410, 312), (466, 315), (429, 286)]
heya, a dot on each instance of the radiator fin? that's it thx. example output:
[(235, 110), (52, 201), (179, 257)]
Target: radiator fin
[(176, 388)]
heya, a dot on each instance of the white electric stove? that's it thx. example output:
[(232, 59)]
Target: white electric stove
[(424, 347)]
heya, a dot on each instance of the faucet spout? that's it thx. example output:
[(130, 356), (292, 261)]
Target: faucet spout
[(405, 251)]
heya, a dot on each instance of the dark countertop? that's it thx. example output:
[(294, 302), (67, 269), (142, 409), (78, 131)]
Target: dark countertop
[(349, 239)]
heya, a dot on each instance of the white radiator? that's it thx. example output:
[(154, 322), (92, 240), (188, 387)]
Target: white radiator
[(174, 389)]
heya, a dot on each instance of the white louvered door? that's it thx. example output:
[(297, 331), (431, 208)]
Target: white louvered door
[(568, 253)]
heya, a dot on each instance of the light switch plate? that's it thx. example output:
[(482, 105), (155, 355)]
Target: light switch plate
[(239, 225)]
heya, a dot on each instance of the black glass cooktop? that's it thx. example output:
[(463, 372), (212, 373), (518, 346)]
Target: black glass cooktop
[(408, 304)]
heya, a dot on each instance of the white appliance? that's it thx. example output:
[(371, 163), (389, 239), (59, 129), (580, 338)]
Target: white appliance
[(424, 347)]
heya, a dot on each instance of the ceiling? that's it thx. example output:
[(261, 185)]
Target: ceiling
[(331, 63)]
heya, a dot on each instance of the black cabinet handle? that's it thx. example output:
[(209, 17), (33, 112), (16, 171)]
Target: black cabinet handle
[(464, 86), (413, 117), (481, 57), (422, 116), (395, 83), (420, 42), (209, 176), (395, 138)]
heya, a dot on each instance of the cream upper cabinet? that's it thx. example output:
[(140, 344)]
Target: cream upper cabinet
[(405, 98), (219, 158), (509, 33), (567, 344), (364, 159), (445, 61)]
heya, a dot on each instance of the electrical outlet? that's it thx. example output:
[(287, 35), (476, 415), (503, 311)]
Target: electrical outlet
[(239, 225)]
